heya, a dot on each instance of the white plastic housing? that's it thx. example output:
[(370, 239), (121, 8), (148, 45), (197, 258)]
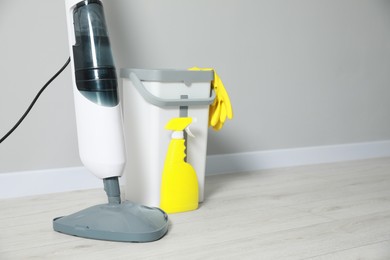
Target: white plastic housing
[(99, 128)]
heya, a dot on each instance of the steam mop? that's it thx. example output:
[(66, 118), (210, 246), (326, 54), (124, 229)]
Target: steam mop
[(100, 134)]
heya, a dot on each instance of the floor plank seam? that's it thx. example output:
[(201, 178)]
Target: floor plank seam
[(344, 250)]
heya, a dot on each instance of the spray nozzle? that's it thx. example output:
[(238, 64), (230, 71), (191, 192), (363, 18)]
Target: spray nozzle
[(178, 125)]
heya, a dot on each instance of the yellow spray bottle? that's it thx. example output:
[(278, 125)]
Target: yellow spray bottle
[(179, 185)]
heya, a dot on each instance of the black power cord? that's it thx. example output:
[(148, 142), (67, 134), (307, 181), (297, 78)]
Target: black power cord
[(35, 100)]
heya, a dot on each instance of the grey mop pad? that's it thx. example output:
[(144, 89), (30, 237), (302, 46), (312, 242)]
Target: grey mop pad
[(127, 222)]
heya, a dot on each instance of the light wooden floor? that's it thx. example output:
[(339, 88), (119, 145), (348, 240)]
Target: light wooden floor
[(329, 211)]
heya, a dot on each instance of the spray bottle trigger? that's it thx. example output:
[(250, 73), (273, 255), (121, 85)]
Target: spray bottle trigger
[(188, 131)]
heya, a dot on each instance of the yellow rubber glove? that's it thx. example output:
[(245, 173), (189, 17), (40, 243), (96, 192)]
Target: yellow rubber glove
[(221, 107)]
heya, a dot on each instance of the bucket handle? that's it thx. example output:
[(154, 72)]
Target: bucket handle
[(163, 102)]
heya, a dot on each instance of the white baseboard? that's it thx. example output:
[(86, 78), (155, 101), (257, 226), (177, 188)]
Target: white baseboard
[(251, 161), (28, 183)]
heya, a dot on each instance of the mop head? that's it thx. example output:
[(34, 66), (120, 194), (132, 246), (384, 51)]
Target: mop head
[(126, 222)]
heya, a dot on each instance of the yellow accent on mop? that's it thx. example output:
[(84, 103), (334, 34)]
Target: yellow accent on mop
[(179, 185)]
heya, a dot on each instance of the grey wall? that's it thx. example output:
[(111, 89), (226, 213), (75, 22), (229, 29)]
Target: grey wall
[(300, 73)]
